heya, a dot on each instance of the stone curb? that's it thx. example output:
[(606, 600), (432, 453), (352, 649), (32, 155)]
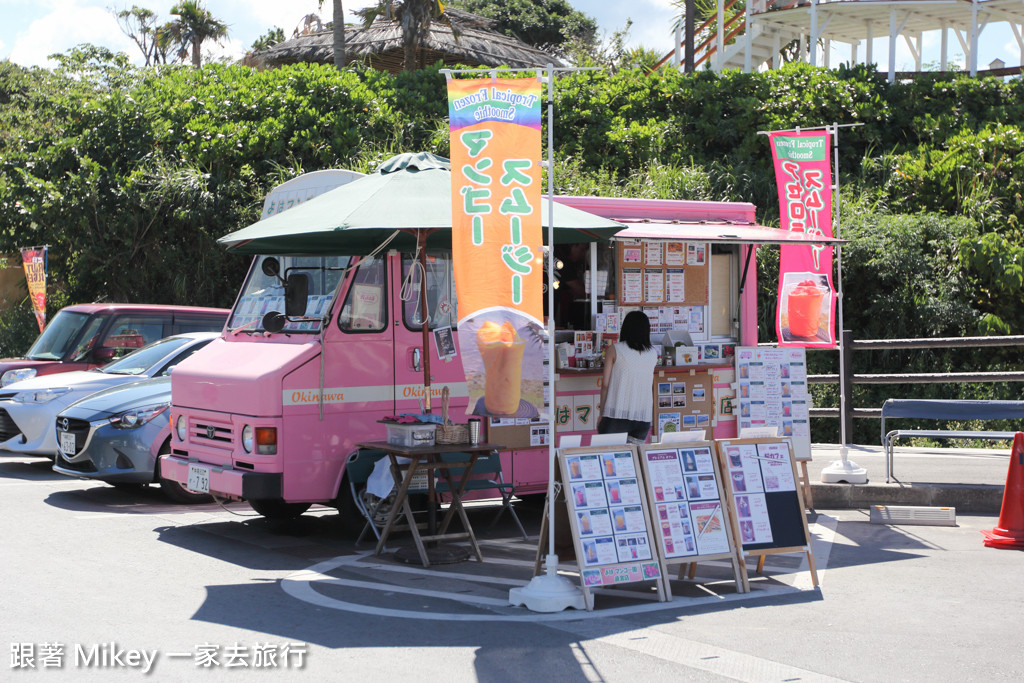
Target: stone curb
[(964, 497)]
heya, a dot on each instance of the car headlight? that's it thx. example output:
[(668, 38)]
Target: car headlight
[(17, 375), (136, 417), (179, 428), (40, 395), (247, 438)]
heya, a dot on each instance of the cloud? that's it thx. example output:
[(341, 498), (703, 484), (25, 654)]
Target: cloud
[(64, 28)]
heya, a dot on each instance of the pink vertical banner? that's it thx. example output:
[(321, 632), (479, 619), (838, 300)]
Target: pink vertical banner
[(806, 309)]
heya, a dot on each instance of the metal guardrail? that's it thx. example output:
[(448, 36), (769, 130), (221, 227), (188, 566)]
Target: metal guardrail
[(848, 346)]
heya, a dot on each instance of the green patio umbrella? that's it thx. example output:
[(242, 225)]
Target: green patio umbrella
[(410, 193)]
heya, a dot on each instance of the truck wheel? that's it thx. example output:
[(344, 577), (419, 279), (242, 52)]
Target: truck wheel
[(277, 509), (172, 489), (352, 520)]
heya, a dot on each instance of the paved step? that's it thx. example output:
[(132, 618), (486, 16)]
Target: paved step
[(969, 479)]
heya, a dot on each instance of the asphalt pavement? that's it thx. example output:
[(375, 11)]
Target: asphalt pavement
[(120, 582)]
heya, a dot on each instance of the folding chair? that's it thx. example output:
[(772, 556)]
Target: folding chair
[(358, 468), (486, 476)]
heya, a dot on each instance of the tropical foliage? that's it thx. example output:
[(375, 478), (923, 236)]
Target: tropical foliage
[(131, 174)]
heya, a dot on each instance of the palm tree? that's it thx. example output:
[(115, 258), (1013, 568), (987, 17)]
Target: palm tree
[(339, 34), (194, 26), (414, 17)]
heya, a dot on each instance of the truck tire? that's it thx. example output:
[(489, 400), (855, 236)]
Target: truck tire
[(352, 520), (277, 509), (172, 489)]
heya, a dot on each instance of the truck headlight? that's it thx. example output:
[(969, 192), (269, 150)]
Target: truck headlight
[(179, 428), (247, 438)]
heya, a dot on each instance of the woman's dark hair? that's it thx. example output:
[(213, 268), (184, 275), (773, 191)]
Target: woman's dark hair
[(636, 331)]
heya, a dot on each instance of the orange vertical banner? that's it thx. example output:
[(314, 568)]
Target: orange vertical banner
[(497, 241), (34, 262)]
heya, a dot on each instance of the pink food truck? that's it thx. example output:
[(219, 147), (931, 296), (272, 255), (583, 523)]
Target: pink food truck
[(271, 416)]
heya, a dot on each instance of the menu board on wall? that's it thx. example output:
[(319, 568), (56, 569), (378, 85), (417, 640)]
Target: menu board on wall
[(683, 400), (772, 392), (608, 514), (655, 272)]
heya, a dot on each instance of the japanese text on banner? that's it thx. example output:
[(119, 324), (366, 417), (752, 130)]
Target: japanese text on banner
[(807, 301), (497, 241)]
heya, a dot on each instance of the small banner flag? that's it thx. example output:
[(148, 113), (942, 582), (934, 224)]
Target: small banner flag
[(806, 307), (34, 262), (497, 242)]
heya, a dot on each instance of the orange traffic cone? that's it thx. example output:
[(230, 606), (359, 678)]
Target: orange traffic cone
[(1010, 532)]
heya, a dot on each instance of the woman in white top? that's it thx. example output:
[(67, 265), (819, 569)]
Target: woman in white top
[(627, 399)]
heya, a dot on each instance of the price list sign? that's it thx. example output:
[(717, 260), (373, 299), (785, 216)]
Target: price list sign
[(609, 518), (767, 505), (686, 501)]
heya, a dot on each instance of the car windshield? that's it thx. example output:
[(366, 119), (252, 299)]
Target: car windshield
[(58, 339), (142, 360), (264, 293)]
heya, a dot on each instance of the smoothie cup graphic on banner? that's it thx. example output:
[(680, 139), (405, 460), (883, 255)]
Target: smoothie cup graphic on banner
[(803, 306), (502, 351)]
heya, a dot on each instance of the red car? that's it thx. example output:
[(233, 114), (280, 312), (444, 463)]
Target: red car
[(90, 335)]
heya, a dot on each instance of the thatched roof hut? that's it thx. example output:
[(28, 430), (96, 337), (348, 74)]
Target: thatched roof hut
[(473, 44)]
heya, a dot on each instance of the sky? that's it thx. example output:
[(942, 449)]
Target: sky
[(31, 30)]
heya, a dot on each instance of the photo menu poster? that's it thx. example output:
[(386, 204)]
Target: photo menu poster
[(771, 391), (609, 516), (766, 504), (686, 501)]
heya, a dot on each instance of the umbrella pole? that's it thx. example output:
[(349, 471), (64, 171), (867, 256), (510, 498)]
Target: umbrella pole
[(421, 249)]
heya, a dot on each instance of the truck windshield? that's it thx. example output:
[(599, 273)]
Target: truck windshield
[(264, 293), (58, 339)]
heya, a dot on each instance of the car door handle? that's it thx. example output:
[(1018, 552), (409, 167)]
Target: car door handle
[(416, 354)]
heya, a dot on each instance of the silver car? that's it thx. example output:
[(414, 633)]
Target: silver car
[(29, 407), (117, 436)]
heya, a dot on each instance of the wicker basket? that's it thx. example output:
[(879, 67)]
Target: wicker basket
[(448, 432)]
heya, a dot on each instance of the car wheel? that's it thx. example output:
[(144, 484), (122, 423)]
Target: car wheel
[(174, 490), (277, 509)]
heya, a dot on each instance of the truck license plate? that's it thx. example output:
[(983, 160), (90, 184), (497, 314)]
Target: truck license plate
[(67, 442), (198, 478)]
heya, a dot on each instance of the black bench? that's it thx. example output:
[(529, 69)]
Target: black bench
[(945, 409)]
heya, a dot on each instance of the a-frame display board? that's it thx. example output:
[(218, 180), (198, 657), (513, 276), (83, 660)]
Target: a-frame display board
[(767, 504), (609, 519), (687, 498)]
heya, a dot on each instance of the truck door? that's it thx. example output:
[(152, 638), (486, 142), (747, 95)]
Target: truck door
[(442, 316)]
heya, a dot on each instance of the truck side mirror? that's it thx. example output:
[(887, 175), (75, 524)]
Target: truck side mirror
[(296, 295), (271, 266), (274, 322)]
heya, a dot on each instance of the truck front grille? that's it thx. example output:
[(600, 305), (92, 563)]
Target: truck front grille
[(212, 434)]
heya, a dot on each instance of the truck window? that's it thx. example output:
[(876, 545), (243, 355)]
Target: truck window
[(194, 323), (442, 307), (264, 293), (365, 304)]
